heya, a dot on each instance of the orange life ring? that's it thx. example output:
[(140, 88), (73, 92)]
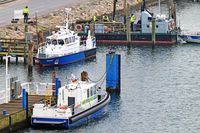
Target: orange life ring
[(78, 27)]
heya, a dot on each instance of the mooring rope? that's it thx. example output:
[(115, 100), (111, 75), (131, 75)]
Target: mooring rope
[(104, 75)]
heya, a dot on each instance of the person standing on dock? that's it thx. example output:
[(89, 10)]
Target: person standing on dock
[(94, 18), (26, 13), (132, 20)]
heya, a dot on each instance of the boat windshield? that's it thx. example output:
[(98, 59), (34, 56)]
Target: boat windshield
[(48, 41), (60, 41), (54, 42)]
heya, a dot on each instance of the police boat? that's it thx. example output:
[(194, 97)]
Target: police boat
[(77, 102), (65, 47)]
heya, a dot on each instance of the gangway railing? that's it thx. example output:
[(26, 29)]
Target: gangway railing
[(37, 88), (3, 97)]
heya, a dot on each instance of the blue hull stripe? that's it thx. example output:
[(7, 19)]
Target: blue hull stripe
[(35, 120), (93, 112), (49, 121), (67, 59)]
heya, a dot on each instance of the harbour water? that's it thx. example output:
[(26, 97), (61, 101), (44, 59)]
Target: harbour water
[(160, 87)]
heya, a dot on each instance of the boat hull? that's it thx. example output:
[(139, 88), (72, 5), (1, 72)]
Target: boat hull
[(62, 60), (137, 39), (191, 38), (76, 120)]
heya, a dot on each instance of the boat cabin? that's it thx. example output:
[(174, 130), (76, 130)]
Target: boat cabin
[(163, 24), (77, 93), (57, 39)]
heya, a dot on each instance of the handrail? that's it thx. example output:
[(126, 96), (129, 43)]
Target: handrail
[(38, 88), (3, 96)]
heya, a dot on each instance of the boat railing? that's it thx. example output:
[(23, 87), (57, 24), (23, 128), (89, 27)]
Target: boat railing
[(187, 32), (37, 88), (115, 27), (3, 97)]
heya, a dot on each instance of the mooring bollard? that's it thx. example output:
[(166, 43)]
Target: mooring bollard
[(113, 72)]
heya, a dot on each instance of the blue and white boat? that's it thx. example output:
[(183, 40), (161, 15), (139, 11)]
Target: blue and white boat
[(191, 38), (77, 102), (65, 47)]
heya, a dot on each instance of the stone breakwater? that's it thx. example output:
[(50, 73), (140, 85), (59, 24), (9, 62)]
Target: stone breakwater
[(83, 11)]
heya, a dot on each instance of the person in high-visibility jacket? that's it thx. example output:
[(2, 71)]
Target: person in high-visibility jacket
[(95, 18), (26, 13), (132, 20)]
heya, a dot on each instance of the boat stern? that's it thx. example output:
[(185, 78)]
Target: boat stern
[(48, 116)]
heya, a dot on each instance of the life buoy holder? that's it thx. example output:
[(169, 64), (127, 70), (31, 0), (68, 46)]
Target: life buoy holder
[(78, 27)]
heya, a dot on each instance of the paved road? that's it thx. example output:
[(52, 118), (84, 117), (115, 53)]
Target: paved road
[(41, 6)]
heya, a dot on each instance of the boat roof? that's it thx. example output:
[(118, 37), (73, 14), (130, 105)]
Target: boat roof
[(79, 85), (63, 33)]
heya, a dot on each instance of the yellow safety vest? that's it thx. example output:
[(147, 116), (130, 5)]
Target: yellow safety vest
[(132, 20), (94, 18), (25, 11)]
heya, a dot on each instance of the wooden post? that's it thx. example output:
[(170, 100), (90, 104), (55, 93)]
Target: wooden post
[(26, 28), (25, 53), (16, 59), (36, 20), (40, 37), (25, 31), (174, 13), (128, 26), (114, 9), (153, 35), (1, 59), (125, 8), (169, 8), (30, 57)]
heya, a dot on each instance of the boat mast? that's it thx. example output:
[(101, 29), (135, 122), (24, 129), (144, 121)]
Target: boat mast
[(159, 7), (67, 10)]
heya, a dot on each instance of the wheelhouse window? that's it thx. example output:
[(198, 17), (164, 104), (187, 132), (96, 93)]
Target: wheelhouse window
[(66, 40), (54, 42), (94, 89), (70, 40), (48, 41), (88, 93), (60, 41), (91, 91), (73, 39)]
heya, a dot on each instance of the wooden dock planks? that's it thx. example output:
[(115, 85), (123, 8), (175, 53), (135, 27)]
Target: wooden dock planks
[(16, 105)]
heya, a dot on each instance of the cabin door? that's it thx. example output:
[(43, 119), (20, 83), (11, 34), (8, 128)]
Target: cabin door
[(71, 101)]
